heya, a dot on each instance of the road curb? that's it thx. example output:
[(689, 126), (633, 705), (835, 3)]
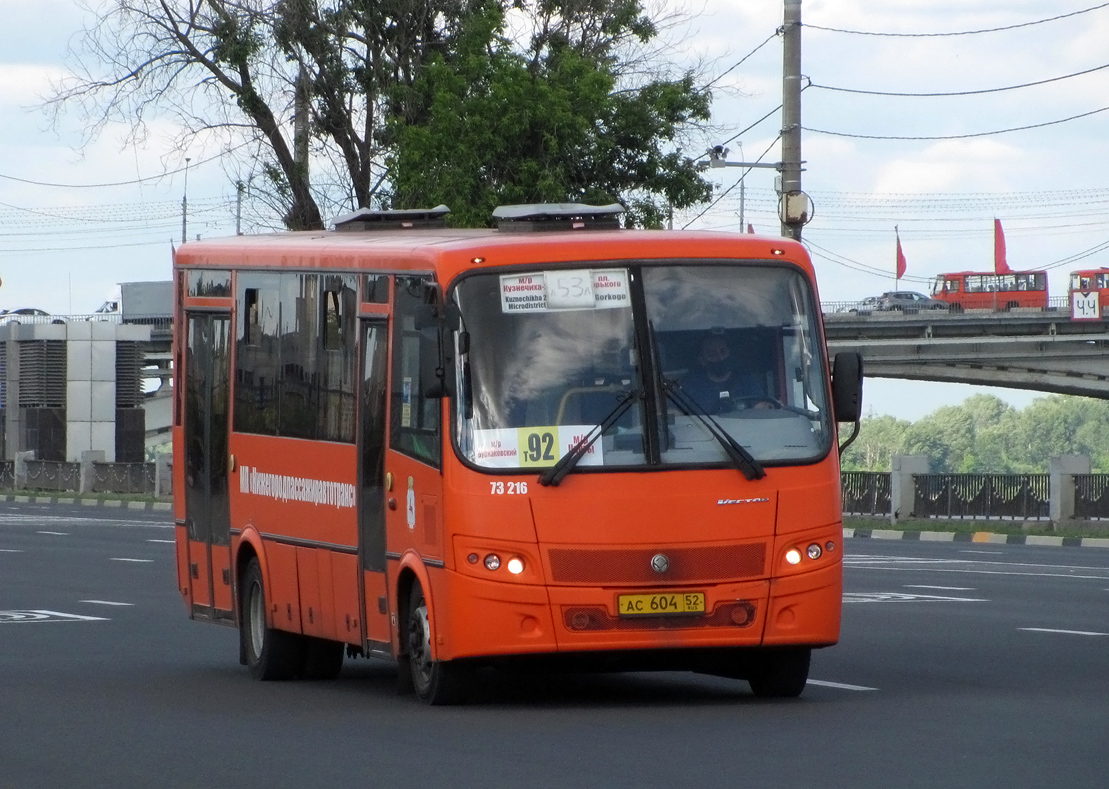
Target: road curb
[(142, 506), (978, 537)]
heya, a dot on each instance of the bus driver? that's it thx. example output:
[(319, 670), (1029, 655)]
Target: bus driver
[(717, 386)]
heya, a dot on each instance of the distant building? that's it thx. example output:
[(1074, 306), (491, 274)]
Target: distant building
[(70, 387)]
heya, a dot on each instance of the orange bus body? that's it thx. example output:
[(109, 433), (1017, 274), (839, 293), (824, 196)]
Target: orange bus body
[(764, 554), (987, 290)]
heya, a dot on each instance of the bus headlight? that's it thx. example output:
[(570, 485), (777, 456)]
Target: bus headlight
[(492, 562), (793, 556), (515, 565), (813, 551)]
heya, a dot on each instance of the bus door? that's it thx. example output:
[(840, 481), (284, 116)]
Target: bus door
[(207, 506), (371, 482), (414, 484)]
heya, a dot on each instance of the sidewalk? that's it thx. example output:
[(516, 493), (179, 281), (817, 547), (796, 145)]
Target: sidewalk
[(978, 537)]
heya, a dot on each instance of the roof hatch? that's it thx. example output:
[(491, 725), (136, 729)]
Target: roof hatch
[(392, 219)]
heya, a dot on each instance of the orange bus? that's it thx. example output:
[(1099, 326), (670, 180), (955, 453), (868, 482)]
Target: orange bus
[(454, 448), (985, 290), (1088, 294)]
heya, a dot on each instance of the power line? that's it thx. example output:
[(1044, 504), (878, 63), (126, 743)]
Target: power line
[(957, 136), (961, 32), (960, 92), (722, 74)]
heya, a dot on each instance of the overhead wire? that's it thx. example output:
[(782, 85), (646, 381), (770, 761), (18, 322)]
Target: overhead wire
[(961, 32)]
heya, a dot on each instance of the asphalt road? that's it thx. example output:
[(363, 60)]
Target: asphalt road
[(960, 665)]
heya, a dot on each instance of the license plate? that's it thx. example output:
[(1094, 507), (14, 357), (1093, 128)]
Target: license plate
[(661, 603)]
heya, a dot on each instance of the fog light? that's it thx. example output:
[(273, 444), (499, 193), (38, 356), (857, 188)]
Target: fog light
[(813, 551), (515, 565), (492, 561), (793, 556)]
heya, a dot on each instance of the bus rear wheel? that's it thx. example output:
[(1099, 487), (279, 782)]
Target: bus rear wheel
[(780, 673), (435, 681), (270, 654)]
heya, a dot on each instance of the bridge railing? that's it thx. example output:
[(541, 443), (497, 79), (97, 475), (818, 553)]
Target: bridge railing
[(866, 492), (1091, 496), (1017, 496), (53, 476)]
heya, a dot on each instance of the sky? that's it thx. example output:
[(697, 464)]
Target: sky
[(75, 220)]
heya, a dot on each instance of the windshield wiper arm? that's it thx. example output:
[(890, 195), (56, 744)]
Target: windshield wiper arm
[(743, 460), (554, 475)]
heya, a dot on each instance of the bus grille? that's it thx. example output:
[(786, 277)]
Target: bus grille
[(622, 566)]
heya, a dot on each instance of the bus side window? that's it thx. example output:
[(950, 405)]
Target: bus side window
[(415, 418)]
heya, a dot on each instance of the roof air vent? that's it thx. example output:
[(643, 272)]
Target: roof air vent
[(394, 219), (558, 216)]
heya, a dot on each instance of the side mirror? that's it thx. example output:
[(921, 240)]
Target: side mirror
[(847, 386)]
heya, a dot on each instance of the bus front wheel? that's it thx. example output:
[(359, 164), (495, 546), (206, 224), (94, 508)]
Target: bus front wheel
[(271, 654), (436, 682), (780, 673)]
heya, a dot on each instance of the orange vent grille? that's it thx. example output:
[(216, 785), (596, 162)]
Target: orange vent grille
[(621, 566)]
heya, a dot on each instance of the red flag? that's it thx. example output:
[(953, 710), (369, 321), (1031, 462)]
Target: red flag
[(750, 228), (1000, 266), (901, 264)]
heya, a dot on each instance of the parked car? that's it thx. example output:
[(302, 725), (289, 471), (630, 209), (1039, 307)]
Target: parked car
[(869, 304), (24, 314), (908, 301)]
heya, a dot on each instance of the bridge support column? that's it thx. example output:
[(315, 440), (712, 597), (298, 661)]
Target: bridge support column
[(902, 489), (1061, 471), (163, 476)]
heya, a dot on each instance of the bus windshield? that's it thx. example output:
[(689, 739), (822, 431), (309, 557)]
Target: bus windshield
[(688, 350)]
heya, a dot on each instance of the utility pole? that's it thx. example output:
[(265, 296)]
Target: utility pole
[(239, 208), (185, 204), (793, 207)]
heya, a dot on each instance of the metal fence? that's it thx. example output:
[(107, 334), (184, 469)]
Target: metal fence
[(866, 492), (1016, 496), (1091, 496), (123, 478), (53, 475)]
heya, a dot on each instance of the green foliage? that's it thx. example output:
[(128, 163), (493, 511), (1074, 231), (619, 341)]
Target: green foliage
[(984, 434), (497, 125)]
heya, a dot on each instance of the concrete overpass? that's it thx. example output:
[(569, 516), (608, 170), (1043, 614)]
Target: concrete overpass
[(1042, 350)]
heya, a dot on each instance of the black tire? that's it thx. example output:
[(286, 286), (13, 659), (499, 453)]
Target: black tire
[(323, 659), (436, 682), (270, 654), (780, 673)]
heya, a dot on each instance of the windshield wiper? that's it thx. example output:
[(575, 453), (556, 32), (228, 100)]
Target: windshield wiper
[(743, 460), (554, 475)]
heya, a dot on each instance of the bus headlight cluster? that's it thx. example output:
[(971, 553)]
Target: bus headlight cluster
[(492, 562), (814, 551)]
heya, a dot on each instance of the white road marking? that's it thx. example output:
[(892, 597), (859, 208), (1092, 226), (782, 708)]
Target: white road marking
[(168, 542), (840, 685), (10, 550), (976, 566), (1063, 632), (118, 559), (902, 597), (103, 602), (941, 588), (988, 553), (22, 617), (56, 533)]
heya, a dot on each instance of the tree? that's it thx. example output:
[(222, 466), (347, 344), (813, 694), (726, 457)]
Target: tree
[(287, 82), (550, 123)]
